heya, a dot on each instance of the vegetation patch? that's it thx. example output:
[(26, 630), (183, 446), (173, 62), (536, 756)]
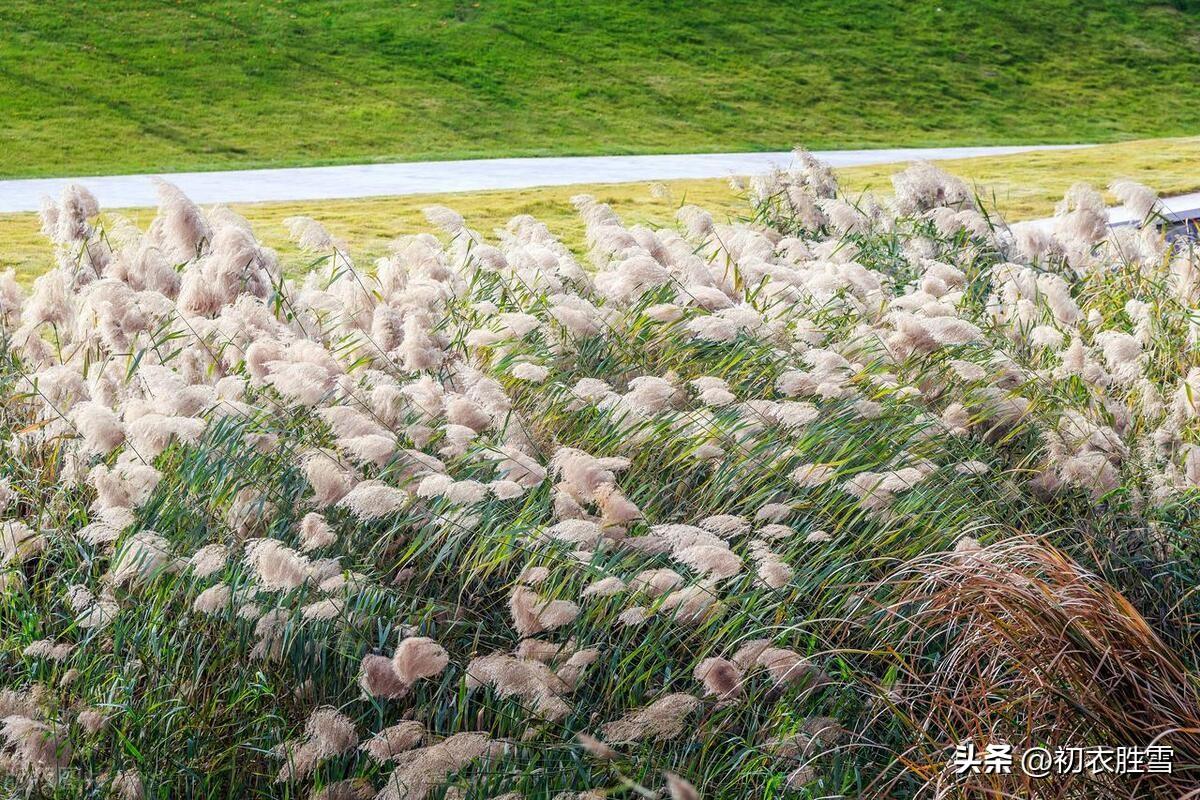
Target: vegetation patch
[(113, 87), (784, 506)]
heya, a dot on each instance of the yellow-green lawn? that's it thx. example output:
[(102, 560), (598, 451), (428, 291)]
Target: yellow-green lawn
[(1021, 186)]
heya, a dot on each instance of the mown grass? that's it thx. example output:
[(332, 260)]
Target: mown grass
[(1020, 187), (1028, 185), (153, 85)]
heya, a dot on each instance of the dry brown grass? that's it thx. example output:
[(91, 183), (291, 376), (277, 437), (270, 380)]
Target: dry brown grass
[(1018, 643)]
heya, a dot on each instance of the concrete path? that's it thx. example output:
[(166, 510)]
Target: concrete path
[(1180, 208), (424, 177), (1176, 210)]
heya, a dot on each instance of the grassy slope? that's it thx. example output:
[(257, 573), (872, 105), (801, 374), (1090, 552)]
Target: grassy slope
[(1022, 186), (114, 86)]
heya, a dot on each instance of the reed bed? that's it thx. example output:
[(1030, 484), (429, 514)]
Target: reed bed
[(789, 505)]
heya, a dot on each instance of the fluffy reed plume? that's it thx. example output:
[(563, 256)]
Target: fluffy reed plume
[(350, 789), (416, 658), (426, 769), (1037, 649), (772, 571), (604, 587), (923, 186), (693, 604), (91, 721), (392, 742), (372, 499), (213, 600), (315, 533), (145, 555), (181, 226), (270, 629), (663, 719), (596, 748), (330, 482), (809, 476), (785, 666), (277, 566), (34, 749), (725, 525), (615, 508), (531, 681), (532, 615), (324, 610), (572, 671), (721, 677), (309, 234), (47, 649), (710, 560), (533, 373), (100, 427), (378, 678), (419, 657), (19, 543), (326, 734), (208, 560), (679, 788), (127, 785), (1139, 199)]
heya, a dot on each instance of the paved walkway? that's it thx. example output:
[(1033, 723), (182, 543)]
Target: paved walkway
[(424, 177), (1179, 208)]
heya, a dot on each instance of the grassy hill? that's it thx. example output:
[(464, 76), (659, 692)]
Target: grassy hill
[(128, 86)]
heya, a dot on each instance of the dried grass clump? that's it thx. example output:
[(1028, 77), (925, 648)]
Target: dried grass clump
[(1017, 642)]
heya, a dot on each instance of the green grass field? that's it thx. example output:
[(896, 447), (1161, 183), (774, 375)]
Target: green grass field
[(108, 86)]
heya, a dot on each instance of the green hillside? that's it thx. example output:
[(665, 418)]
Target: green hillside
[(97, 87)]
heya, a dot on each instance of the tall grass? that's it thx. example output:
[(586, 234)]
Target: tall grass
[(784, 506)]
